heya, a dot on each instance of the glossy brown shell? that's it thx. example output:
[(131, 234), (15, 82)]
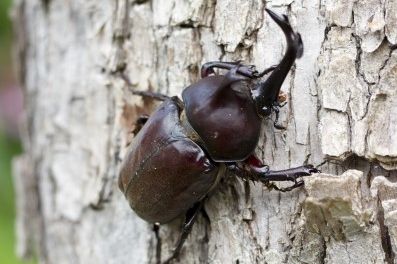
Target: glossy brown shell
[(165, 172), (224, 115)]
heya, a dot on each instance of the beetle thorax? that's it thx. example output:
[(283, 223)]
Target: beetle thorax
[(224, 116)]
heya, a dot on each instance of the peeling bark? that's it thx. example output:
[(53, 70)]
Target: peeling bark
[(341, 115)]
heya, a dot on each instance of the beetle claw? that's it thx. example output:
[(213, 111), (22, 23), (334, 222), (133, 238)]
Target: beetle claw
[(307, 170)]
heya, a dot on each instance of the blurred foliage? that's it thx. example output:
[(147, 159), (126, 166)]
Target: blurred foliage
[(8, 148), (4, 18), (5, 33)]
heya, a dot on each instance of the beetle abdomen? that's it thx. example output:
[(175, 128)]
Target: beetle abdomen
[(224, 116), (165, 172)]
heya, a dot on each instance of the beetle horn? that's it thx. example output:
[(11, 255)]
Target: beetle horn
[(266, 93)]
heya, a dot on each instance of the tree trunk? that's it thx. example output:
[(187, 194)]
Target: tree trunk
[(341, 115)]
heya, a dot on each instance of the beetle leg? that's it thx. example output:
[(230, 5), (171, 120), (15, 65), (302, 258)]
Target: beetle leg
[(277, 112), (289, 174), (230, 77), (191, 217), (234, 76), (266, 71), (139, 123), (156, 229), (246, 70), (252, 169), (152, 95), (271, 185)]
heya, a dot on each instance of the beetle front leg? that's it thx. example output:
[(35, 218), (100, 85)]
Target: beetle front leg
[(191, 217), (281, 102), (275, 123), (253, 169), (286, 175), (245, 70)]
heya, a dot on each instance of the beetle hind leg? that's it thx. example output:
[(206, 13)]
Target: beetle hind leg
[(191, 217), (156, 229)]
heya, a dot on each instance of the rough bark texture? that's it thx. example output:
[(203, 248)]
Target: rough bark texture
[(342, 108)]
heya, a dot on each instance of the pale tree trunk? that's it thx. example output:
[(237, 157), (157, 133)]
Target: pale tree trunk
[(342, 109)]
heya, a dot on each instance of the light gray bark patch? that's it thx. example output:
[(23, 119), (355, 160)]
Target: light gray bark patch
[(373, 62), (369, 23), (391, 20), (334, 127), (382, 139), (357, 83), (385, 192), (339, 215), (235, 19), (339, 12)]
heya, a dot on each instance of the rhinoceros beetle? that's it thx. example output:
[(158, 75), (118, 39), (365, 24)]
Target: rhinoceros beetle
[(185, 147)]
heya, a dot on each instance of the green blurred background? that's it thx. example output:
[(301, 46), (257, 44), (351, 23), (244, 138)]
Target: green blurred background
[(10, 109)]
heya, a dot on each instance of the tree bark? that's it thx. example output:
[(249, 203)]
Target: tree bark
[(341, 115)]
